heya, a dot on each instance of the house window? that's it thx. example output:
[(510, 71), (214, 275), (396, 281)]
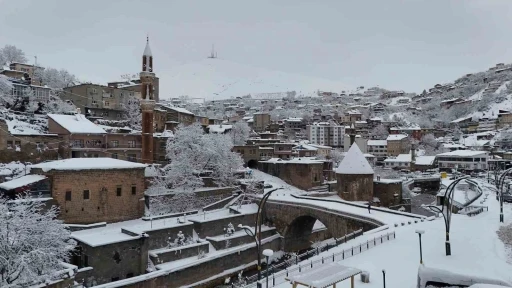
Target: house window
[(134, 190), (107, 104), (115, 156), (9, 144), (17, 143), (131, 143), (68, 195), (86, 194), (118, 191), (86, 261), (114, 143)]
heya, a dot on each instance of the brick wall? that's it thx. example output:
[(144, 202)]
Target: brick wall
[(103, 205)]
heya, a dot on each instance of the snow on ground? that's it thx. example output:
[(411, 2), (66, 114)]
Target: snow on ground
[(13, 169), (215, 79), (494, 108), (477, 95), (398, 101), (503, 87), (476, 250)]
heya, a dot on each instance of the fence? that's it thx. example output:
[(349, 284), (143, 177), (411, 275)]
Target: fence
[(286, 270)]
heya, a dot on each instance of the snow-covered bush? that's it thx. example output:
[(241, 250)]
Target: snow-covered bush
[(240, 133)]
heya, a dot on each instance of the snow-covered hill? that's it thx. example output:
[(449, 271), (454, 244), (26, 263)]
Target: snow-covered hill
[(215, 79)]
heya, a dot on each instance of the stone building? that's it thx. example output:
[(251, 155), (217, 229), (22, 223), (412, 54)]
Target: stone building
[(22, 70), (303, 173), (95, 190), (354, 176), (398, 144), (387, 192), (260, 121), (168, 117), (26, 147)]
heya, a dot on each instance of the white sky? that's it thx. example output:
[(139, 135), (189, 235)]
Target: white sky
[(409, 45)]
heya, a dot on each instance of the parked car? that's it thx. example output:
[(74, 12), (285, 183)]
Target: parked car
[(507, 198)]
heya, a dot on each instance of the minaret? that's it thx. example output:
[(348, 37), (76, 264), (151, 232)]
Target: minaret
[(147, 104)]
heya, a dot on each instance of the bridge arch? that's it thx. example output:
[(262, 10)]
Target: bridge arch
[(295, 223)]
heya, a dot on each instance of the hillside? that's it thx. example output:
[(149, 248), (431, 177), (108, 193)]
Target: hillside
[(215, 79)]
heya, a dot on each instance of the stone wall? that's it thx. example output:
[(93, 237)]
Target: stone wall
[(104, 204), (213, 267), (159, 238), (173, 254), (303, 176), (355, 187), (213, 227), (386, 190), (118, 260), (181, 202)]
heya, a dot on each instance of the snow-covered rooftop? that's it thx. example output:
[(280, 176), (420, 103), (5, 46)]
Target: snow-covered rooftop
[(464, 153), (400, 158), (377, 142), (219, 128), (179, 109), (22, 181), (87, 164), (324, 276), (354, 162), (425, 160), (396, 137), (300, 160), (76, 124)]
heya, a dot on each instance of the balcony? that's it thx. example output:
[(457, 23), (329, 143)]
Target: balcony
[(124, 146), (87, 146)]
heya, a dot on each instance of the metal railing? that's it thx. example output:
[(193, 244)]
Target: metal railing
[(293, 267)]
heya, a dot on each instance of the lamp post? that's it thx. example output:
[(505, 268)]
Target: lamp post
[(420, 232), (256, 234), (447, 215), (267, 253), (500, 189), (384, 277)]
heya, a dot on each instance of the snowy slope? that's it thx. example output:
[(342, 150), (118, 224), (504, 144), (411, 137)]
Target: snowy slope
[(221, 79)]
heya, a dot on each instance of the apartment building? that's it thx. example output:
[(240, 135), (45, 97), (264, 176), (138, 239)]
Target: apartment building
[(168, 117), (84, 139), (98, 101), (24, 71), (398, 144), (293, 125), (463, 160), (325, 134), (260, 121), (134, 85), (504, 118), (351, 117), (378, 148)]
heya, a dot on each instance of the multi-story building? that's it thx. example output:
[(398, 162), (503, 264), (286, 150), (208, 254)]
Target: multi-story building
[(351, 117), (168, 117), (463, 160), (325, 134), (504, 118), (313, 150), (398, 144), (260, 121), (98, 101), (23, 89), (378, 148), (84, 139), (24, 71), (401, 161), (293, 125), (135, 85)]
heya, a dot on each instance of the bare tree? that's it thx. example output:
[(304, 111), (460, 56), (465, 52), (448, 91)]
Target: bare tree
[(11, 54)]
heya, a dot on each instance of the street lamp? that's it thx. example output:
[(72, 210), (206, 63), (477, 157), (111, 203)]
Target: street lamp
[(384, 277), (256, 234), (268, 253), (447, 215), (421, 251), (500, 187)]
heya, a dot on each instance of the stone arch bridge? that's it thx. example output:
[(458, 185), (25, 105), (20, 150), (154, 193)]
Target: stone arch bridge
[(294, 217)]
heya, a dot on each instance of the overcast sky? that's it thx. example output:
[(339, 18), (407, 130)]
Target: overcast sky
[(409, 45)]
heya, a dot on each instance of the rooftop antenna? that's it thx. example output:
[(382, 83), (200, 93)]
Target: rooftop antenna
[(213, 54)]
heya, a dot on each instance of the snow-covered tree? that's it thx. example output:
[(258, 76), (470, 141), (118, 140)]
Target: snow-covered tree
[(336, 155), (430, 145), (56, 105), (379, 132), (193, 154), (55, 78), (33, 242), (132, 113), (11, 54), (240, 133), (6, 98)]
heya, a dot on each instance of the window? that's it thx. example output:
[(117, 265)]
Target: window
[(107, 104), (68, 195), (118, 191), (115, 156), (134, 190), (132, 157), (131, 143), (94, 102), (86, 194), (114, 143), (9, 144), (17, 143), (86, 261)]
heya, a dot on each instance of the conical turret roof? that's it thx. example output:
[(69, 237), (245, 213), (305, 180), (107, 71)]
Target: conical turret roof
[(147, 50), (354, 162)]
